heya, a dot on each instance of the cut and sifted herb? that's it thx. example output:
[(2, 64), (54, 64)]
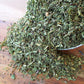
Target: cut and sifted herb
[(47, 26)]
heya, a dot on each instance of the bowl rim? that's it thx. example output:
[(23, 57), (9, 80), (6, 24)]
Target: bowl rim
[(72, 47)]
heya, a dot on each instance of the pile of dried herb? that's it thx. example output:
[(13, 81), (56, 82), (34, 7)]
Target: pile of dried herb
[(47, 26)]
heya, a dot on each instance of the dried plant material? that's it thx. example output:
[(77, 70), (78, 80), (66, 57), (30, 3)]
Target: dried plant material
[(47, 26), (13, 76)]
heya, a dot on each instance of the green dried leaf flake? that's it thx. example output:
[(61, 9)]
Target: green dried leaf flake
[(13, 76)]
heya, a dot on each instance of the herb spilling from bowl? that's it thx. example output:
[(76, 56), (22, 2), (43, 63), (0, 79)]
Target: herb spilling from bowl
[(47, 26)]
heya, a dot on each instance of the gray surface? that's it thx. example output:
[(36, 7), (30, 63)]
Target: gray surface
[(18, 4), (72, 47), (12, 10)]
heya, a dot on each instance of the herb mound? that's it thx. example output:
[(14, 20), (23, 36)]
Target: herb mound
[(47, 26)]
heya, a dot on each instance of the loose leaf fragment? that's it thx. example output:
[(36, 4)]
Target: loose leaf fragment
[(13, 76)]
